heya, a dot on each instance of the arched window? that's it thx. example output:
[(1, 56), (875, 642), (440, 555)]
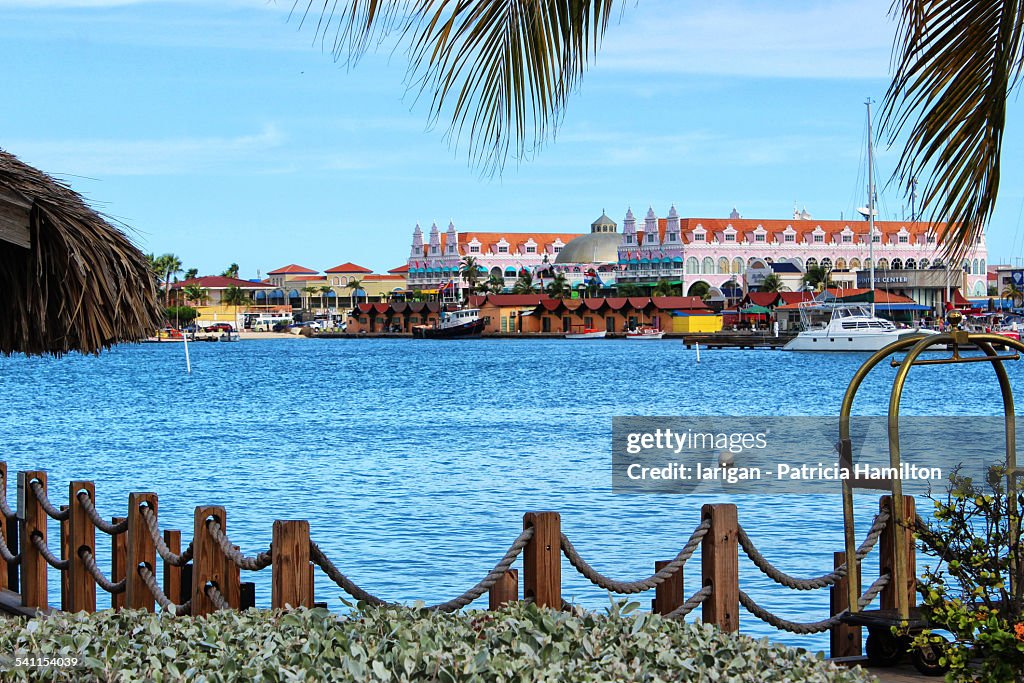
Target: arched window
[(294, 298), (344, 280), (826, 263), (510, 272), (723, 265), (840, 263), (983, 270), (867, 264), (897, 264), (692, 266), (261, 296), (976, 271), (812, 263), (924, 264), (939, 263), (883, 264), (768, 260), (737, 265), (854, 263), (495, 271), (709, 266), (911, 264)]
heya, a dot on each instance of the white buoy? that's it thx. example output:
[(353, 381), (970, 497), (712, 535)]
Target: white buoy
[(188, 361), (696, 345)]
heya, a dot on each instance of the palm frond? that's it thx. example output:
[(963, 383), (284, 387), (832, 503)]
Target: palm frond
[(501, 70), (955, 63)]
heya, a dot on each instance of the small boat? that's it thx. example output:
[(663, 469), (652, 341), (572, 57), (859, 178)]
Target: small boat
[(851, 327), (643, 333), (231, 336), (580, 332), (458, 324), (167, 334)]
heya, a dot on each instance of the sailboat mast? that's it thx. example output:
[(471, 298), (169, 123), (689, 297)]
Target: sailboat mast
[(871, 208)]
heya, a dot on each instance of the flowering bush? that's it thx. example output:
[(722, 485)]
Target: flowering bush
[(975, 590)]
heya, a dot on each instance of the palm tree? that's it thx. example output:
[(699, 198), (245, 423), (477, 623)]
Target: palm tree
[(324, 291), (354, 286), (195, 294), (495, 284), (232, 271), (235, 297), (701, 289), (469, 269), (773, 283), (524, 285), (817, 278), (559, 287), (663, 288), (167, 266), (1012, 293), (191, 274), (504, 70), (627, 289), (308, 290)]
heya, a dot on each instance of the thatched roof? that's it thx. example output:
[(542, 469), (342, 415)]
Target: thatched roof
[(69, 280)]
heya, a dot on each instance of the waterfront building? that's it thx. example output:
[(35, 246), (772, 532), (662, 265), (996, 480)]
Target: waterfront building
[(711, 252), (211, 308), (306, 289)]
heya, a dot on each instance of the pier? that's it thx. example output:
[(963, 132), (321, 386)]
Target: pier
[(738, 340), (153, 568)]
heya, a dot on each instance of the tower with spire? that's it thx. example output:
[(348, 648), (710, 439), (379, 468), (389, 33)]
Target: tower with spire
[(417, 246), (652, 240)]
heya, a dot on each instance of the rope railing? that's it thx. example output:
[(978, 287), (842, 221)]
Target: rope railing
[(808, 584), (161, 599), (260, 561), (101, 580), (693, 603), (640, 585), (40, 493), (5, 510), (474, 593), (103, 525), (216, 597), (40, 545), (176, 560), (807, 628), (5, 553)]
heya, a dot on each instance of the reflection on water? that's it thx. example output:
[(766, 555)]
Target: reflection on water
[(415, 460)]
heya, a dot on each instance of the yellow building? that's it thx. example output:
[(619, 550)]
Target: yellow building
[(211, 307), (695, 323)]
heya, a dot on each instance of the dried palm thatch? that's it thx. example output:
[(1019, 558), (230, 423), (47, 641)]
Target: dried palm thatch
[(79, 284)]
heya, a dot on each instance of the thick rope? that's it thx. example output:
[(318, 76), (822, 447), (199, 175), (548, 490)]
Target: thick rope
[(814, 626), (170, 558), (100, 523), (492, 577), (257, 563), (5, 511), (641, 585), (40, 544), (346, 584), (102, 581), (44, 501), (830, 579), (160, 597), (691, 604), (216, 597), (5, 553)]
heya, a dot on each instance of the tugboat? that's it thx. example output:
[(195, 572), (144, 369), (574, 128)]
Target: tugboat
[(457, 324)]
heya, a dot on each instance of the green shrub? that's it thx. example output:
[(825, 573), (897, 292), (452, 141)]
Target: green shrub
[(518, 643)]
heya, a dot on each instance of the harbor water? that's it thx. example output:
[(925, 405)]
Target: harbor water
[(414, 461)]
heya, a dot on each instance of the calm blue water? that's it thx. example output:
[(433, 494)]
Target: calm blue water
[(415, 460)]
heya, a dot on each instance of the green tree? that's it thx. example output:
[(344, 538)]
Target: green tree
[(773, 283), (195, 294), (559, 287), (324, 291), (663, 288), (469, 269), (1012, 293), (495, 284), (502, 72), (701, 289), (524, 285), (627, 289), (232, 271), (355, 285), (817, 278), (235, 297), (308, 291), (167, 266), (191, 274)]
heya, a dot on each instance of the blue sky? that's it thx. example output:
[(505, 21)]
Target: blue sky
[(222, 132)]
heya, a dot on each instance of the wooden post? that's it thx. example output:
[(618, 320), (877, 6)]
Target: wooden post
[(668, 595), (542, 559), (65, 549), (81, 584), (292, 584), (895, 540), (720, 565), (172, 574), (33, 520), (118, 561), (209, 564), (844, 639), (506, 590), (9, 531), (141, 551)]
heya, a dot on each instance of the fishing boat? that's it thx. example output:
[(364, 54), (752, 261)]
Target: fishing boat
[(458, 324), (644, 333), (229, 336), (581, 332)]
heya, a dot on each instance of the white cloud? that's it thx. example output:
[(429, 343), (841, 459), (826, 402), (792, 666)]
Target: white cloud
[(808, 39)]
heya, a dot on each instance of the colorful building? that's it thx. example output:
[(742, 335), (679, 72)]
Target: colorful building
[(211, 307), (328, 294)]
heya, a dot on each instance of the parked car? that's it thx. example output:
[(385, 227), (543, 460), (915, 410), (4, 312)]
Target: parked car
[(219, 327)]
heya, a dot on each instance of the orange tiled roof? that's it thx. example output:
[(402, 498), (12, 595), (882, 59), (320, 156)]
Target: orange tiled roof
[(293, 269), (489, 240), (775, 228), (348, 267), (404, 268)]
